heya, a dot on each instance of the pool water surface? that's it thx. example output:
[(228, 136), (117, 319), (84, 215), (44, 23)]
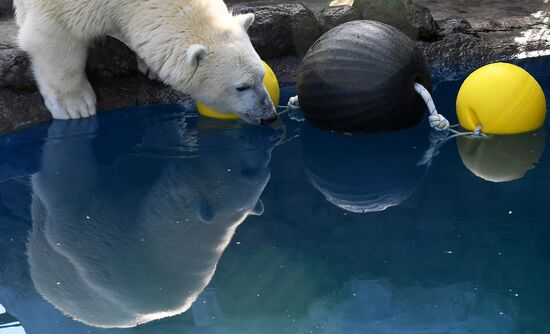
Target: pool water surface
[(155, 220)]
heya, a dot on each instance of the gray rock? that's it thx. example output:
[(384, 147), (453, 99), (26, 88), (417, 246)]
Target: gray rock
[(15, 69), (111, 58), (107, 58), (8, 31), (508, 23), (414, 20), (456, 55), (455, 24), (6, 8), (280, 28), (422, 21), (286, 68), (22, 108), (330, 17), (464, 47), (475, 11)]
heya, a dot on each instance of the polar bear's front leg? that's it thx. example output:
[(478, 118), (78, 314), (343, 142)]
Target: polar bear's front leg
[(59, 62)]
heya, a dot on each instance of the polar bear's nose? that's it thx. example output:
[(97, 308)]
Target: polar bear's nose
[(267, 121)]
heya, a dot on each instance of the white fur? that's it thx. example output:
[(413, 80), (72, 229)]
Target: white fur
[(165, 34), (115, 247)]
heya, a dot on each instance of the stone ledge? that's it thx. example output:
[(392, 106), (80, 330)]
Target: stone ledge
[(464, 47), (20, 108), (479, 11)]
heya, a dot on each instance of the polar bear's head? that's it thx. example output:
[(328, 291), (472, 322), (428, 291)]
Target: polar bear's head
[(228, 73)]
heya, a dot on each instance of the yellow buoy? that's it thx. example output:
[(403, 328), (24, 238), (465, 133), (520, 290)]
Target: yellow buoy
[(271, 84), (502, 158), (503, 99)]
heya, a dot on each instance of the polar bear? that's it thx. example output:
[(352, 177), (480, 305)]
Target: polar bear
[(196, 46), (119, 244)]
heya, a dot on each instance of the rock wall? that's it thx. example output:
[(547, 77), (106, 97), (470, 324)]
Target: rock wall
[(280, 27), (6, 7)]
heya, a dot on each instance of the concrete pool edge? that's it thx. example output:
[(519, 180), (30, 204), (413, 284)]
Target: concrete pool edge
[(458, 48)]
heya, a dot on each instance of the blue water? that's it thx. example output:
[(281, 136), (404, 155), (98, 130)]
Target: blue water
[(157, 217)]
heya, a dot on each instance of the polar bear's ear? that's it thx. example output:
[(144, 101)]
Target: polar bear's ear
[(196, 53), (245, 20), (258, 209)]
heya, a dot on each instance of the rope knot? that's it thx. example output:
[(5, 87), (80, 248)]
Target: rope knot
[(437, 121), (293, 103)]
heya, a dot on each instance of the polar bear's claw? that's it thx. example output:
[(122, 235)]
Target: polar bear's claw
[(79, 102)]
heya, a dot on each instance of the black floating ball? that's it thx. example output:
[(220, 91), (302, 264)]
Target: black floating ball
[(359, 77), (365, 173)]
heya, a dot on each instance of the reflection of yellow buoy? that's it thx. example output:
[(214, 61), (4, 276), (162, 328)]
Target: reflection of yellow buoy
[(503, 99), (502, 158), (271, 84)]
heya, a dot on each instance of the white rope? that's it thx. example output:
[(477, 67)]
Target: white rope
[(477, 131), (437, 121), (440, 123), (437, 141), (293, 104)]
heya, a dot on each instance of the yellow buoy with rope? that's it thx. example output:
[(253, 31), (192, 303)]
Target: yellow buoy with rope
[(501, 98), (271, 84)]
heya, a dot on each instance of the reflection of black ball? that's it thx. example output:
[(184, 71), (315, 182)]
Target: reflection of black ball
[(364, 173), (359, 77)]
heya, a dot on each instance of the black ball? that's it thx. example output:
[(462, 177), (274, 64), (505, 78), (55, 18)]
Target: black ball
[(359, 77), (366, 173)]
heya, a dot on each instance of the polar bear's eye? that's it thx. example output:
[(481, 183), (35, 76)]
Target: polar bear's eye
[(243, 88)]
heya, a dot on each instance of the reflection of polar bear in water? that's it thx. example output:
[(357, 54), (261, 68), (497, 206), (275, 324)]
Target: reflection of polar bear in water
[(139, 240)]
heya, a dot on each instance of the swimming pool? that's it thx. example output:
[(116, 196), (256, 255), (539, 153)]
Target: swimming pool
[(157, 217)]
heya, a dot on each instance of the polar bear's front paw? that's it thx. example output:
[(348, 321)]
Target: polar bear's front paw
[(78, 102)]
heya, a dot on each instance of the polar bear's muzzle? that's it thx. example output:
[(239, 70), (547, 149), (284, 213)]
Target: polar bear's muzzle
[(268, 121), (271, 114), (261, 110)]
